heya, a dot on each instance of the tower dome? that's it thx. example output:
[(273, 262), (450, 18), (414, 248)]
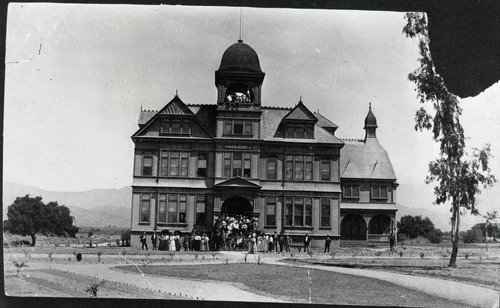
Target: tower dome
[(240, 57), (370, 120), (370, 124)]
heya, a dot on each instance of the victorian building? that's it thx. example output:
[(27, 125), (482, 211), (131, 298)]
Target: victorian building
[(283, 167)]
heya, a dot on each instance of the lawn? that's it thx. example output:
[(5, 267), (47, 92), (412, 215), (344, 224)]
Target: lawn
[(300, 284)]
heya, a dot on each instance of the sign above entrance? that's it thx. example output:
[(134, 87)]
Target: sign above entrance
[(237, 147)]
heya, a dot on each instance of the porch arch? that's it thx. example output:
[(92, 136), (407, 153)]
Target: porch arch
[(379, 224), (353, 227)]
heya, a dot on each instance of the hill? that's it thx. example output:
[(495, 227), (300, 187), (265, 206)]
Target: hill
[(92, 208)]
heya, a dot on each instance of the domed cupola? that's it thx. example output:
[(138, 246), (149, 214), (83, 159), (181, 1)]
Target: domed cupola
[(240, 57), (239, 78), (370, 124)]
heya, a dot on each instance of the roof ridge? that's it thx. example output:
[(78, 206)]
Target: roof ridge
[(351, 139), (276, 107), (199, 104)]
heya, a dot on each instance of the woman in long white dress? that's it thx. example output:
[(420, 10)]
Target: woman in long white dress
[(172, 243)]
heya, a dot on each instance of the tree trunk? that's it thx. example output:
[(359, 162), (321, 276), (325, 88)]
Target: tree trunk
[(33, 240), (454, 236)]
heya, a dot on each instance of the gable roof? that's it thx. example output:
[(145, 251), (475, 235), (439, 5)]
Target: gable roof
[(300, 113), (365, 160), (324, 122), (237, 182), (175, 107), (271, 122)]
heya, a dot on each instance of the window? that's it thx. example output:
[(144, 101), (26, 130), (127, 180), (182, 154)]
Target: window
[(147, 164), (175, 127), (237, 164), (227, 165), (201, 217), (302, 131), (309, 170), (176, 208), (379, 192), (298, 167), (162, 208), (174, 163), (325, 213), (351, 191), (271, 168), (238, 127), (271, 211), (325, 169), (202, 165), (298, 212), (144, 208), (288, 211)]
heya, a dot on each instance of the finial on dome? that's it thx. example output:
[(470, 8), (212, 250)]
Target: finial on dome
[(240, 40), (176, 92), (370, 105), (370, 123), (300, 98), (141, 108)]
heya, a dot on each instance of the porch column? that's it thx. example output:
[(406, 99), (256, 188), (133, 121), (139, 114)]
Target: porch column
[(367, 220)]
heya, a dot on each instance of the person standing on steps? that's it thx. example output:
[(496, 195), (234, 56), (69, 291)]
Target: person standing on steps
[(327, 243), (143, 240), (154, 238), (307, 241)]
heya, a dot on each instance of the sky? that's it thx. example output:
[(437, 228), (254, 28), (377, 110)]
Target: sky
[(78, 75)]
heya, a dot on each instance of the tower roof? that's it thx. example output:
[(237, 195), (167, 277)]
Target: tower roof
[(370, 120), (240, 57)]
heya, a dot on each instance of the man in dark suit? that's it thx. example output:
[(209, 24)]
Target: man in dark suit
[(307, 241), (154, 239)]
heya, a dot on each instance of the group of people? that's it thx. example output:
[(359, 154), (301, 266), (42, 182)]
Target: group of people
[(230, 234), (176, 241)]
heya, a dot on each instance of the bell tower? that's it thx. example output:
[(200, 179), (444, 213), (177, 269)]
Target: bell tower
[(239, 79)]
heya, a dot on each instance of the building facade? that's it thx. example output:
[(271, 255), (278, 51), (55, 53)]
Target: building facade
[(282, 167)]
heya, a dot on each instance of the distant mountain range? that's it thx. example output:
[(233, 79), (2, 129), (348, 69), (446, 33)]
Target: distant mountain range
[(103, 207), (92, 208)]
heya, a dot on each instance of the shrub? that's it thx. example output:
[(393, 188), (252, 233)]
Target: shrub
[(19, 265), (94, 287), (469, 237), (401, 253), (79, 257), (99, 253), (422, 255)]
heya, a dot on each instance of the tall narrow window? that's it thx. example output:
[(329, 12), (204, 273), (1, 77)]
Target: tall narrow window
[(299, 168), (174, 164), (201, 217), (290, 131), (237, 162), (247, 163), (379, 192), (175, 127), (299, 131), (227, 165), (162, 208), (325, 213), (238, 127), (248, 128), (271, 211), (298, 212), (182, 209), (228, 127), (309, 132), (325, 169), (164, 163), (288, 211), (309, 169), (289, 167), (147, 164), (271, 168), (145, 208), (309, 211), (202, 165), (184, 164), (172, 208)]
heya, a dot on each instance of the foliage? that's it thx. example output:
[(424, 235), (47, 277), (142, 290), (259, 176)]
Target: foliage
[(19, 265), (469, 237), (125, 237), (29, 216), (436, 236), (457, 177), (415, 226), (94, 287)]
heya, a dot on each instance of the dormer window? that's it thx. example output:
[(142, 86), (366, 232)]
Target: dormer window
[(302, 131), (351, 191), (181, 127)]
